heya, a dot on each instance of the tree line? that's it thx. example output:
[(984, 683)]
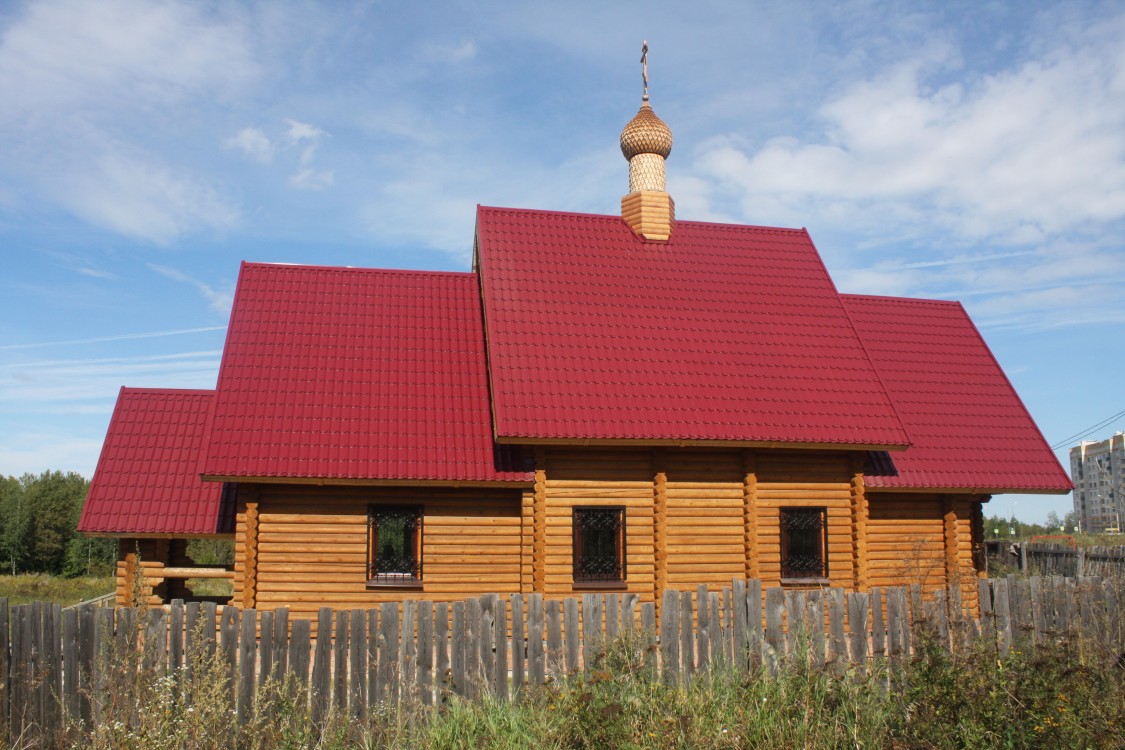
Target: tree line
[(996, 527), (39, 527)]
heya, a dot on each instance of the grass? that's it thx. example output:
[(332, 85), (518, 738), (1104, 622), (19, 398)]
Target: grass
[(29, 587), (1050, 697)]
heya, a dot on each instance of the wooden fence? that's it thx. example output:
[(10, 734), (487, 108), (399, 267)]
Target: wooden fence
[(1060, 559), (56, 666)]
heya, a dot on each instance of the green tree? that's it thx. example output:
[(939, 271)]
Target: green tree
[(90, 556), (15, 524), (55, 502)]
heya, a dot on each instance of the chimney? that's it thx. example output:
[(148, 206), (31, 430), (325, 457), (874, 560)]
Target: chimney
[(646, 142)]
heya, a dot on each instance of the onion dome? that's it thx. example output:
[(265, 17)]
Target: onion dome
[(646, 134)]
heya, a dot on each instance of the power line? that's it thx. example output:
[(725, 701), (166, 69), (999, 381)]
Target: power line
[(1088, 431)]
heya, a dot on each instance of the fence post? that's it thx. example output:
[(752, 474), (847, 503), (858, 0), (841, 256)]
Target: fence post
[(536, 669), (669, 638), (320, 687), (247, 655), (1081, 571), (425, 651), (441, 645), (1025, 560), (858, 608), (754, 622), (775, 633), (573, 635), (555, 664)]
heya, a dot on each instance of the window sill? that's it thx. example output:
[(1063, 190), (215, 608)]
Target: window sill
[(810, 582), (601, 585), (376, 584)]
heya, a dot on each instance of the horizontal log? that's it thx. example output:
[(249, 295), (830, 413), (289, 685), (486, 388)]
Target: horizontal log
[(191, 573)]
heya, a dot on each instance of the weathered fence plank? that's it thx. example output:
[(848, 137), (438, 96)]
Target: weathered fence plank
[(300, 643), (703, 629), (340, 662), (687, 644), (320, 688), (425, 654), (669, 637), (573, 635), (247, 653), (775, 633), (754, 631), (357, 663), (554, 638), (536, 656), (387, 688), (519, 645), (442, 678)]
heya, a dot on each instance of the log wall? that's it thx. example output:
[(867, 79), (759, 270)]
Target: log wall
[(598, 477), (694, 517), (312, 545), (924, 539), (804, 479)]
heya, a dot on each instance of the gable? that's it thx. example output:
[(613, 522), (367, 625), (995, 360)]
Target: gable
[(722, 334), (355, 374), (147, 478), (968, 428)]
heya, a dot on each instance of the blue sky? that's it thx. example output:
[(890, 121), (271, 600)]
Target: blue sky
[(958, 150)]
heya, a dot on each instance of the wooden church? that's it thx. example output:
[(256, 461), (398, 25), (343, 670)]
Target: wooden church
[(603, 403)]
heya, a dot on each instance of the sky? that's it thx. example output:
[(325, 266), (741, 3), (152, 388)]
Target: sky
[(972, 151)]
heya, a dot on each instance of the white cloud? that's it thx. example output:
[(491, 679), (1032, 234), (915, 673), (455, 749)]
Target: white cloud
[(116, 337), (450, 53), (37, 452), (307, 137), (93, 92), (142, 199), (311, 179), (220, 299), (81, 383), (254, 143), (1013, 157), (303, 131), (1005, 189), (61, 55)]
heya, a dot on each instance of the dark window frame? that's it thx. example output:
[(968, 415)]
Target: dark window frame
[(809, 562), (408, 571), (616, 518)]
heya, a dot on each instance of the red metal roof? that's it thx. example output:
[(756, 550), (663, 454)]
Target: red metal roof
[(362, 374), (722, 333), (147, 479), (968, 428)]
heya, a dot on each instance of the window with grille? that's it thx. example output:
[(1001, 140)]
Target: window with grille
[(394, 545), (599, 545), (804, 542)]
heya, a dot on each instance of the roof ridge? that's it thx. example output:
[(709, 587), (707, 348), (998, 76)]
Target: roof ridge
[(169, 391), (616, 219), (352, 269), (894, 298)]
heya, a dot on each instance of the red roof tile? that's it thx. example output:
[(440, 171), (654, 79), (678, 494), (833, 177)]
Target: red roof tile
[(968, 428), (147, 479), (346, 373), (723, 333)]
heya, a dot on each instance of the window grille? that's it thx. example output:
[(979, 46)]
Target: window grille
[(394, 544), (599, 545), (804, 543)]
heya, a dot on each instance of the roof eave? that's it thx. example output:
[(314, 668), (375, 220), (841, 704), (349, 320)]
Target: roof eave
[(680, 443), (371, 482), (966, 490)]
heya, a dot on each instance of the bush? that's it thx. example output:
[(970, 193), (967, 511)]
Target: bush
[(1044, 696)]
